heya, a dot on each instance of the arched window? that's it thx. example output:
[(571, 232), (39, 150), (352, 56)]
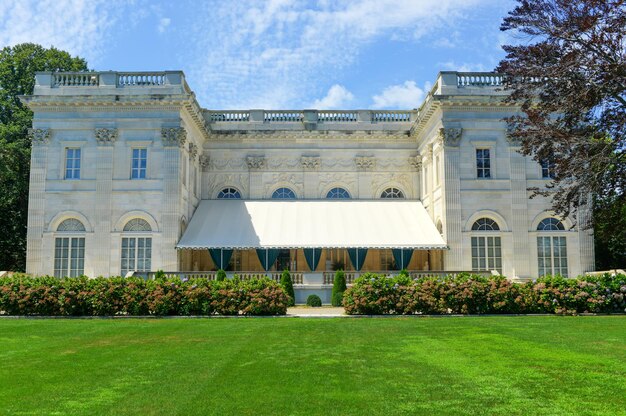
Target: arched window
[(283, 193), (486, 249), (137, 224), (229, 193), (69, 250), (338, 193), (393, 193), (136, 249), (550, 224), (485, 224), (551, 249)]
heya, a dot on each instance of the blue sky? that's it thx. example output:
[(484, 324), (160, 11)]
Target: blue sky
[(287, 54)]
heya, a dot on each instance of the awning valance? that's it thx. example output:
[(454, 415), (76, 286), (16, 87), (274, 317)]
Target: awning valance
[(241, 224)]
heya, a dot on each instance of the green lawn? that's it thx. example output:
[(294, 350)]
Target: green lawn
[(430, 366)]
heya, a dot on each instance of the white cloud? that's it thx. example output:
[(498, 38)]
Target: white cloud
[(404, 96), (337, 97), (76, 26), (464, 67), (164, 22), (273, 52)]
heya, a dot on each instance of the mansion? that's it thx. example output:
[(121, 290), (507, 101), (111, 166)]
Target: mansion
[(129, 174)]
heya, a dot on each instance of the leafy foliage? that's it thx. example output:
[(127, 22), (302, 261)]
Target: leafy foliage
[(314, 301), (464, 293), (287, 284), (570, 80), (18, 65), (81, 296), (339, 286), (220, 275)]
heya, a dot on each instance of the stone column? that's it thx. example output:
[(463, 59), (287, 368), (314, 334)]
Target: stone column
[(364, 166), (519, 221), (173, 140), (37, 262), (451, 182), (100, 251), (585, 241)]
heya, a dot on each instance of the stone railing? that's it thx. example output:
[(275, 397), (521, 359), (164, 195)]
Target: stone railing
[(338, 116), (479, 79), (351, 276), (283, 116), (230, 116), (75, 79), (140, 79), (391, 116)]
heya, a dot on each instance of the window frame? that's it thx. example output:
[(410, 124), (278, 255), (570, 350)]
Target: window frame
[(230, 190), (282, 195), (138, 169), (336, 190), (74, 239), (490, 169), (547, 168), (136, 241), (74, 169), (392, 190)]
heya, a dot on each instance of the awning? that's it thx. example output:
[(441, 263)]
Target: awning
[(241, 224)]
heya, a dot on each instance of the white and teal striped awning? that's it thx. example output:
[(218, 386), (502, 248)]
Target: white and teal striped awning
[(241, 224)]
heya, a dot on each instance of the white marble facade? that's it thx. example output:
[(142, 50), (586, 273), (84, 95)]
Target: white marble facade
[(192, 154)]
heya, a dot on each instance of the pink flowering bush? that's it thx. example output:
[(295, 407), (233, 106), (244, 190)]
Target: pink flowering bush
[(473, 294), (81, 296)]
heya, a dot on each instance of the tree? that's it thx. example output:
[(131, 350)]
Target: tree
[(570, 80), (287, 284), (339, 286), (18, 65)]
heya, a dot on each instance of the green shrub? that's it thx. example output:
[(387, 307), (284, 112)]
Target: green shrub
[(339, 286), (220, 275), (287, 284), (314, 300), (160, 274), (81, 296)]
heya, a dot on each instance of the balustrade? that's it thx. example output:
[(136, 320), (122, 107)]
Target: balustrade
[(338, 116), (283, 116), (391, 116), (132, 79), (75, 79), (479, 79), (230, 116)]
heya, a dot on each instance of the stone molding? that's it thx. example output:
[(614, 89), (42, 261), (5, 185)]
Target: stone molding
[(451, 136), (365, 163), (173, 136), (193, 151), (106, 136), (39, 136), (311, 162), (205, 162), (256, 162)]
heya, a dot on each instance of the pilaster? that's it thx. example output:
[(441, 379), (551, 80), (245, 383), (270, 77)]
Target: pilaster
[(37, 262), (256, 166), (100, 249), (519, 214), (453, 226), (173, 140)]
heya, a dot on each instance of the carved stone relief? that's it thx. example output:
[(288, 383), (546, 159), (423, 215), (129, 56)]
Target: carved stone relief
[(39, 136), (205, 161), (218, 181), (415, 162), (278, 163), (310, 162), (405, 180), (106, 136), (173, 136), (193, 150), (365, 163), (256, 162), (451, 136), (292, 180), (347, 180)]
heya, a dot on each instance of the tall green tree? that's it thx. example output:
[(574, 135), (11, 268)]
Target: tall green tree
[(568, 73), (18, 65)]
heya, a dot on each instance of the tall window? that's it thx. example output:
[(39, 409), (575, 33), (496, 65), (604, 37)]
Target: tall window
[(486, 249), (69, 250), (392, 193), (547, 169), (483, 163), (338, 193), (551, 249), (139, 163), (283, 193), (229, 193), (72, 163), (437, 167), (136, 246)]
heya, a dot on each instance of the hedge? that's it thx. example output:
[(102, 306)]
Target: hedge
[(374, 294), (81, 296)]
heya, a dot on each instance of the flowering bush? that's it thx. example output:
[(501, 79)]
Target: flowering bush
[(49, 296), (465, 293)]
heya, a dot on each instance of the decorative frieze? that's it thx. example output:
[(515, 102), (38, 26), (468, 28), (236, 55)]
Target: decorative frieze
[(106, 136), (205, 162), (451, 136), (39, 136), (173, 136), (415, 162), (365, 163), (256, 162), (193, 150), (311, 162)]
